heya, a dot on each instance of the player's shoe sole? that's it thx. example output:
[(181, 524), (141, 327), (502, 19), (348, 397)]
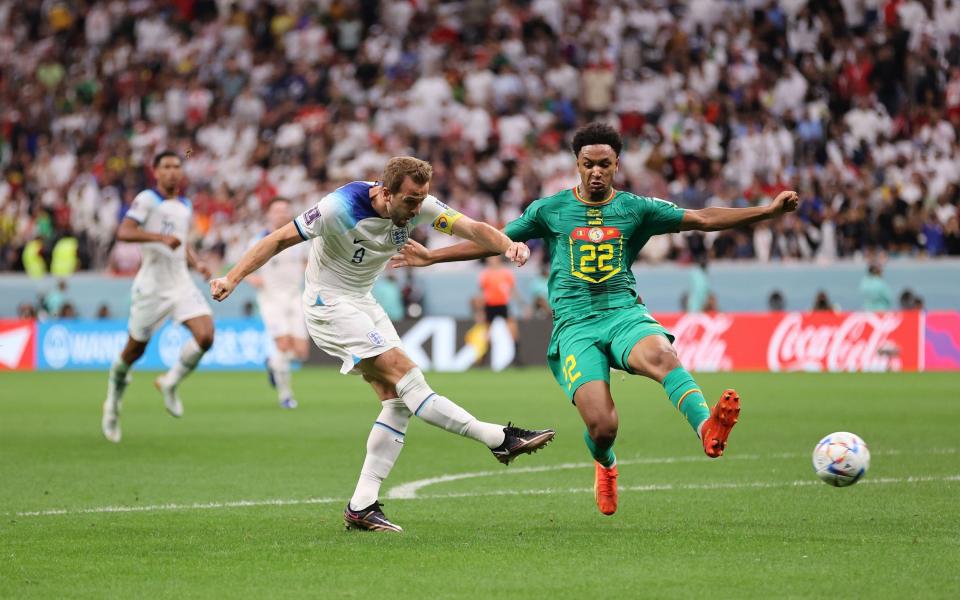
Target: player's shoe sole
[(519, 441), (716, 429), (605, 488), (369, 519), (170, 399)]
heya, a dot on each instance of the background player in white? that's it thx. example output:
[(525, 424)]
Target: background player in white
[(279, 286), (160, 219), (355, 231)]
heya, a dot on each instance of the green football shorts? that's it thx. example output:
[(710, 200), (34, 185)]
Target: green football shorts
[(584, 348)]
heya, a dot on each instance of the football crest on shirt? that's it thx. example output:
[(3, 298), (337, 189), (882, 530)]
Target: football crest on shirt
[(595, 234), (399, 235), (375, 338)]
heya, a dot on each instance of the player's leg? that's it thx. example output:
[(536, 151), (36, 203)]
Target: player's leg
[(582, 369), (596, 407), (395, 368), (117, 381), (147, 312), (279, 363), (654, 357), (200, 340), (383, 448)]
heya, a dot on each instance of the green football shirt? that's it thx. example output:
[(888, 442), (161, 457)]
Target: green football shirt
[(591, 246)]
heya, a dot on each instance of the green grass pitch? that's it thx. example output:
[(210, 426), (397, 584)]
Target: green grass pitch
[(191, 514)]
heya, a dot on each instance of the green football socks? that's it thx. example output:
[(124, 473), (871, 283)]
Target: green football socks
[(604, 456), (687, 397)]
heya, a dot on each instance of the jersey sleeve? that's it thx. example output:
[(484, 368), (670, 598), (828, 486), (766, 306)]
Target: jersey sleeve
[(440, 216), (527, 226), (142, 206), (317, 220), (659, 216)]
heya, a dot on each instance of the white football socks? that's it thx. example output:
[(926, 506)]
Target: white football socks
[(190, 356), (117, 380), (280, 365), (441, 412), (383, 447)]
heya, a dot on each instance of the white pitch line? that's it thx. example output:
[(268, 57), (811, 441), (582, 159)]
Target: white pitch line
[(409, 490), (532, 492)]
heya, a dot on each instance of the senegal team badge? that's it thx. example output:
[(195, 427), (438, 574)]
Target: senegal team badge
[(595, 235)]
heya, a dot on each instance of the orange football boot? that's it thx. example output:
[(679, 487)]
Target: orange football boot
[(716, 429), (605, 488)]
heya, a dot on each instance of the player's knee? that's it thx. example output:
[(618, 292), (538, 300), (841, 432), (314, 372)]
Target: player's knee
[(205, 340), (604, 431), (661, 360)]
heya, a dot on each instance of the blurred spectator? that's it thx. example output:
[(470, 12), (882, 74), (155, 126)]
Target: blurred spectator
[(539, 295), (498, 285), (776, 301), (699, 292), (249, 309), (68, 311), (876, 293), (103, 312), (822, 302), (721, 104), (25, 310), (388, 293), (55, 300)]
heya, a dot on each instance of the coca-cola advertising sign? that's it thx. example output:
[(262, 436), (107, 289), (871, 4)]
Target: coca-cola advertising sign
[(819, 341)]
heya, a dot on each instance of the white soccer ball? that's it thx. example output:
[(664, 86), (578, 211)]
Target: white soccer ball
[(841, 459)]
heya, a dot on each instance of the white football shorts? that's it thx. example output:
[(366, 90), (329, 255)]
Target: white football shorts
[(148, 310), (283, 315), (351, 329)]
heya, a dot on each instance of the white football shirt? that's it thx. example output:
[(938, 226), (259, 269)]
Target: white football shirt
[(352, 243), (162, 267)]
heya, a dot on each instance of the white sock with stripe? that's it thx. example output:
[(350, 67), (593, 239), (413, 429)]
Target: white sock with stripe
[(190, 356), (383, 448), (441, 412)]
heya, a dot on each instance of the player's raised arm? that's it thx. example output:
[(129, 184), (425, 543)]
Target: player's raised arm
[(715, 219), (254, 258)]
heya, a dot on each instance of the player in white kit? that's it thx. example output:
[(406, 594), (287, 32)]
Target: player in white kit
[(160, 219), (279, 286), (355, 230)]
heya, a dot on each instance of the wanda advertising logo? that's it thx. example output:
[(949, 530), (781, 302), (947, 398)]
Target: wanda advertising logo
[(797, 341)]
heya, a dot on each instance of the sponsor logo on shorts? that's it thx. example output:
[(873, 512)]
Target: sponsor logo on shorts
[(376, 339), (311, 215)]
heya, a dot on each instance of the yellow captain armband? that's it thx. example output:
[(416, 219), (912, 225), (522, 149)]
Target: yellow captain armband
[(444, 223)]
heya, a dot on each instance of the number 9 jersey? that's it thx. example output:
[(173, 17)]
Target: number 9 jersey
[(592, 246)]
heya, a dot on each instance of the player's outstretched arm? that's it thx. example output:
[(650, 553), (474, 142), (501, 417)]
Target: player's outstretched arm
[(715, 219), (490, 239), (130, 231), (415, 254), (254, 258)]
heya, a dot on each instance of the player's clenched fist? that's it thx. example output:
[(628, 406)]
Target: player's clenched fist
[(518, 253), (220, 288), (785, 202)]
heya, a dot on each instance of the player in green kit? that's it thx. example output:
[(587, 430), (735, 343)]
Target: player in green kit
[(593, 234)]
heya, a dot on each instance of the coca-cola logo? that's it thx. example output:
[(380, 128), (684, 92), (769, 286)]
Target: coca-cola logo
[(700, 344), (860, 342)]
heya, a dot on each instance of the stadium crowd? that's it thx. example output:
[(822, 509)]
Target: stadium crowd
[(854, 103)]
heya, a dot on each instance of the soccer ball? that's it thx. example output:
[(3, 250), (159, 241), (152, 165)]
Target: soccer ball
[(841, 459)]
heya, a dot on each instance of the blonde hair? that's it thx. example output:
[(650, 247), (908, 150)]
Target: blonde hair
[(400, 167)]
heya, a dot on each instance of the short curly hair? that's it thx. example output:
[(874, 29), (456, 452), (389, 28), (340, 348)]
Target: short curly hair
[(596, 133)]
